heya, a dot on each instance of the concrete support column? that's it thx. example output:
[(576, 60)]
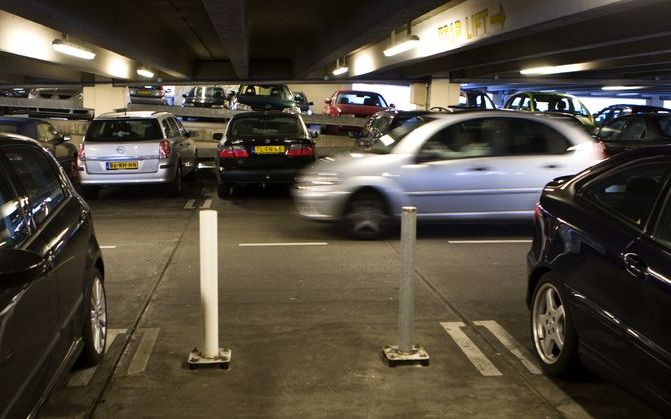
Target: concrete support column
[(419, 93), (443, 93), (105, 98)]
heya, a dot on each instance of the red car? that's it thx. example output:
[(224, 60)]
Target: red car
[(353, 103)]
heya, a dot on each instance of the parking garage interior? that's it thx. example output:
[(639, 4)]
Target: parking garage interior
[(304, 309)]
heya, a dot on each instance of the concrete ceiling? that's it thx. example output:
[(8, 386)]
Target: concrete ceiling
[(625, 42)]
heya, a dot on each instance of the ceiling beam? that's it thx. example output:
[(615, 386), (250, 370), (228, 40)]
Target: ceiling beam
[(229, 18)]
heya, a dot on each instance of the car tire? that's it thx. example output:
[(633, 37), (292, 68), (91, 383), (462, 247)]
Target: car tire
[(175, 187), (366, 216), (552, 331), (89, 192), (225, 190), (94, 333)]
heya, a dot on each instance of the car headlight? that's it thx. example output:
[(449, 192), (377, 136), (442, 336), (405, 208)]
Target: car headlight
[(318, 179), (242, 107)]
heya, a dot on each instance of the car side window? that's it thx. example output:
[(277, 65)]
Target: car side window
[(461, 140), (13, 226), (602, 117), (46, 132), (182, 131), (515, 103), (167, 129), (174, 127), (630, 193), (635, 130), (39, 180), (530, 137), (612, 130)]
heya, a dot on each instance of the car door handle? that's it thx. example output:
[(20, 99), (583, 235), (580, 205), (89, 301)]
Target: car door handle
[(479, 169), (551, 166), (633, 264)]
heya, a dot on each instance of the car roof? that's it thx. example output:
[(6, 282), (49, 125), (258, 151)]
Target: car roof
[(19, 120), (133, 114), (9, 138), (367, 92)]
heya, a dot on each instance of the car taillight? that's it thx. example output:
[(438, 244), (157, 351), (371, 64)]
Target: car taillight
[(233, 152), (538, 211), (300, 150), (601, 150), (82, 152), (164, 149)]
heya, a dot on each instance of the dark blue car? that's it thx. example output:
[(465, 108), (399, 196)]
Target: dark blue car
[(599, 286), (48, 137)]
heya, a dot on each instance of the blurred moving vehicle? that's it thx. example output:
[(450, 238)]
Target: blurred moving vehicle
[(303, 103), (262, 148), (354, 103), (264, 97), (52, 298), (635, 131), (148, 95), (551, 102), (205, 97), (48, 137), (612, 112), (466, 166), (381, 123), (599, 273), (474, 99), (126, 148)]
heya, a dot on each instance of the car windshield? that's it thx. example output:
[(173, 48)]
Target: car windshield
[(361, 98), (665, 124), (126, 129), (274, 90), (387, 142), (207, 92), (280, 126)]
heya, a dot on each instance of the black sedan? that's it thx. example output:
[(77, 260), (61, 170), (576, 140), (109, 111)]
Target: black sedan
[(38, 129), (599, 285), (612, 112), (205, 97), (262, 148), (635, 131), (52, 298)]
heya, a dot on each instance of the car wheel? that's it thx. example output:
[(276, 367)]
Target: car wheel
[(554, 337), (95, 323), (90, 192), (366, 216), (175, 187), (225, 190)]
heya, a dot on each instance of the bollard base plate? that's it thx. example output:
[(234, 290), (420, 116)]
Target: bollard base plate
[(197, 360), (416, 356)]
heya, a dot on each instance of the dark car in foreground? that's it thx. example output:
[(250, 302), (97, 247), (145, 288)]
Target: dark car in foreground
[(635, 131), (599, 283), (38, 129), (52, 299), (262, 148), (612, 112)]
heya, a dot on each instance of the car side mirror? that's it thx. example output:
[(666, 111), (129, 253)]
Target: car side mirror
[(391, 105), (19, 267), (67, 138), (184, 95), (217, 136), (313, 133), (193, 134), (57, 140), (310, 103), (327, 101)]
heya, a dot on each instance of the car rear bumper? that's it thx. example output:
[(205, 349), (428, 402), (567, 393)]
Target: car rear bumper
[(164, 175), (258, 176)]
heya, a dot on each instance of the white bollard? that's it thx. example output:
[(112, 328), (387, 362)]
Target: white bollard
[(210, 353), (209, 292)]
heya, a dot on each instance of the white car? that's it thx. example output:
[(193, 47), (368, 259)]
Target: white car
[(125, 148), (471, 166)]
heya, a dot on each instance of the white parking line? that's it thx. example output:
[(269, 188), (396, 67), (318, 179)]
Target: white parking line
[(108, 247), (282, 244), (141, 357), (207, 204), (83, 377), (190, 204), (511, 343), (472, 352), (487, 241)]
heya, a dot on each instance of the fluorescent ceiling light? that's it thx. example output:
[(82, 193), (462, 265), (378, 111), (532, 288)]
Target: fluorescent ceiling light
[(144, 72), (621, 87), (568, 68), (628, 94), (410, 43), (340, 70), (69, 48)]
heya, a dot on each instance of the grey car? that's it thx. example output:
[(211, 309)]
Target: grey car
[(455, 167), (127, 148)]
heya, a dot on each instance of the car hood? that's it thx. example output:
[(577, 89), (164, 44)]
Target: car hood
[(359, 110), (265, 102)]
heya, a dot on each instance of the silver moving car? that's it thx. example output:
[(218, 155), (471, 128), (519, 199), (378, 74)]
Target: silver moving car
[(454, 167), (136, 148)]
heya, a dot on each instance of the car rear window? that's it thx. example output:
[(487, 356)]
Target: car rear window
[(124, 130), (8, 128), (266, 126), (361, 98)]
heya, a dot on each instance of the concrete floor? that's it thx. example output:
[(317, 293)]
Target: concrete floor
[(306, 324)]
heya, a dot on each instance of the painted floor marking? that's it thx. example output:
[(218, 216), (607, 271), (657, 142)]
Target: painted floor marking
[(511, 343), (282, 244), (190, 204), (472, 352), (487, 241), (83, 377), (206, 204), (108, 247), (141, 357)]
